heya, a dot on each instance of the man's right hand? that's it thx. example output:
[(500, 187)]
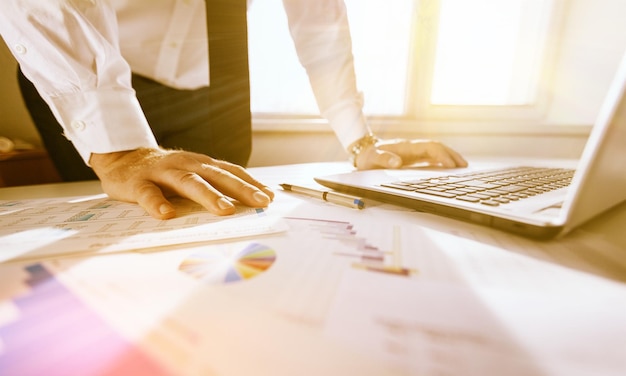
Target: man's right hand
[(148, 176)]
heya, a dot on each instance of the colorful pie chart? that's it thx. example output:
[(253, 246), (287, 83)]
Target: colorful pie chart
[(229, 265)]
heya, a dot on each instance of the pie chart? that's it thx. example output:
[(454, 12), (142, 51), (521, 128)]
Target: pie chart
[(233, 264)]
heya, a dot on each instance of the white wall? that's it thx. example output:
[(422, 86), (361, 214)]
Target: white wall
[(593, 40)]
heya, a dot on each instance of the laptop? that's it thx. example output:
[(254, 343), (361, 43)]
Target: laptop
[(539, 201)]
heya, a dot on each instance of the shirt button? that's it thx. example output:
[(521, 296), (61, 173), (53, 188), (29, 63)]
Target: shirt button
[(78, 125), (20, 49)]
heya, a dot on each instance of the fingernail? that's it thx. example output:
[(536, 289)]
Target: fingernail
[(223, 203), (165, 209), (261, 197), (268, 192)]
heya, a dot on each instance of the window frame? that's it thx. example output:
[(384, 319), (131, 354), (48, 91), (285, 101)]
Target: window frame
[(418, 106), (420, 116)]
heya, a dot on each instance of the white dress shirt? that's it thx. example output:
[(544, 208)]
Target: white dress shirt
[(80, 54)]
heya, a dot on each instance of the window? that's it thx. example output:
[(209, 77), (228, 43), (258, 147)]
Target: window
[(272, 55), (417, 59), (489, 52)]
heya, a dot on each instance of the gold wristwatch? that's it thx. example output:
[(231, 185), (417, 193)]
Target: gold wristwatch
[(357, 146)]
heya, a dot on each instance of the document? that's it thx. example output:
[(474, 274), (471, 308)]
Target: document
[(476, 309), (434, 328), (303, 287), (32, 229), (201, 309), (336, 294)]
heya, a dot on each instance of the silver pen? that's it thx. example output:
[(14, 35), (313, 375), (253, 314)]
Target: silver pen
[(334, 197)]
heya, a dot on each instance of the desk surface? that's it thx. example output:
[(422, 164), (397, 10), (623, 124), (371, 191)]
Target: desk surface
[(379, 291)]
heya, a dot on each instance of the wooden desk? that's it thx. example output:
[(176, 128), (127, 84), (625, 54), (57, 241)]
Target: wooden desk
[(475, 301), (26, 167)]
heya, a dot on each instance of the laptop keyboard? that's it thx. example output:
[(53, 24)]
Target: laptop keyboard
[(490, 188)]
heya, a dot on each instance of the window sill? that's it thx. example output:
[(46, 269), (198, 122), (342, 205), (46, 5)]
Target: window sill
[(266, 124)]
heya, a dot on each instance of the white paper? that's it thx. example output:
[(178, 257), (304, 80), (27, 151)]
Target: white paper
[(477, 309), (371, 292), (32, 229)]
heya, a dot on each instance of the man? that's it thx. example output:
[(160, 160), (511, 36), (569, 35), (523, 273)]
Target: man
[(79, 55)]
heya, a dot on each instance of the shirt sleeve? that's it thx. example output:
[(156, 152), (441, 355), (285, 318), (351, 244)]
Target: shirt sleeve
[(321, 35), (70, 51)]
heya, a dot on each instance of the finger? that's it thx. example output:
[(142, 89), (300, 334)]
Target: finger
[(380, 159), (152, 200), (233, 169), (242, 174), (442, 157), (206, 181), (190, 185), (446, 157), (412, 151), (458, 159), (236, 187), (433, 153)]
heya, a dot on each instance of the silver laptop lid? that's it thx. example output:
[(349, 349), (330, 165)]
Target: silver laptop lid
[(600, 180)]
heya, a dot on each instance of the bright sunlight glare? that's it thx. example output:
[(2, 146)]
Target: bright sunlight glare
[(488, 51)]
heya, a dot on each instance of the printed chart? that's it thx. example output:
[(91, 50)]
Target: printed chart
[(230, 265), (347, 243)]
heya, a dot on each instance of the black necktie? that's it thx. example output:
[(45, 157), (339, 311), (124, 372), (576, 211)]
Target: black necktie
[(229, 91)]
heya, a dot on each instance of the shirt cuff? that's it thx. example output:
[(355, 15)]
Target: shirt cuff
[(103, 121), (347, 121)]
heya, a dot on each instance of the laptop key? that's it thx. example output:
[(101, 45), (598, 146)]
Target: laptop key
[(479, 196), (490, 203), (459, 193), (398, 186), (512, 188), (468, 198), (436, 193), (480, 184)]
